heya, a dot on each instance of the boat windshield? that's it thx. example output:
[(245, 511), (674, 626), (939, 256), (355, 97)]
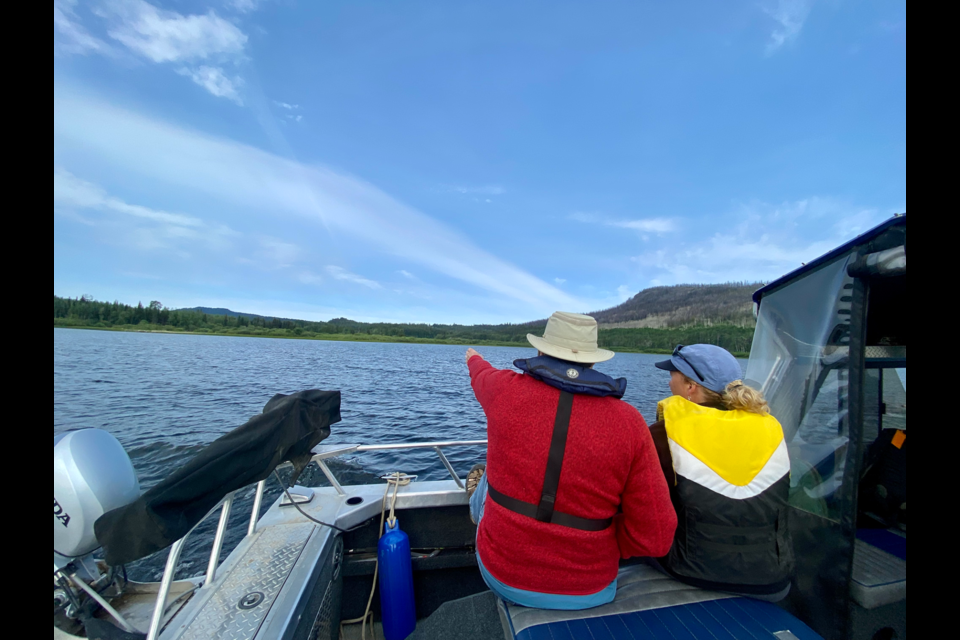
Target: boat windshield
[(800, 359)]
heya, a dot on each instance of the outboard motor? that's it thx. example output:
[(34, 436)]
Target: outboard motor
[(92, 474)]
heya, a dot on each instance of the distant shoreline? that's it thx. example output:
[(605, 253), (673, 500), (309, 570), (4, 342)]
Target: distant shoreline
[(86, 313), (328, 337), (341, 337)]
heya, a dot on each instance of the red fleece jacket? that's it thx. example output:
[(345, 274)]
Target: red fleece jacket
[(610, 463)]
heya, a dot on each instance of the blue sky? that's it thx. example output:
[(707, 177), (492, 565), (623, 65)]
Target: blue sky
[(464, 162)]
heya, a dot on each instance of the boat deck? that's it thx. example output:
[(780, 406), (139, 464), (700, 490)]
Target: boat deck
[(237, 605)]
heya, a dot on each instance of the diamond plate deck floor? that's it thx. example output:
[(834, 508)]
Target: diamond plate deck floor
[(264, 569)]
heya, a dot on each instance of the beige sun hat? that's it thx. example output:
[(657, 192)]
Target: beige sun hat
[(570, 336)]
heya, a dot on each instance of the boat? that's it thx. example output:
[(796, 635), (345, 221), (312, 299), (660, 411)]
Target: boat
[(829, 353)]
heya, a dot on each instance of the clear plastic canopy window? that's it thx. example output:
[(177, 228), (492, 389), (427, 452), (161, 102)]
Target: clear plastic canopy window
[(800, 359)]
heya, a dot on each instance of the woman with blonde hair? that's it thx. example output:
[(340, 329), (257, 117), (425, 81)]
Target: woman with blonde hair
[(726, 463)]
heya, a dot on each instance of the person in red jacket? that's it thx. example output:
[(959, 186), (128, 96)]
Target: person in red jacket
[(572, 482)]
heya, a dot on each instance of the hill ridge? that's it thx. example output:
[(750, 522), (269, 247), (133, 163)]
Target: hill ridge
[(660, 307), (684, 305), (223, 311)]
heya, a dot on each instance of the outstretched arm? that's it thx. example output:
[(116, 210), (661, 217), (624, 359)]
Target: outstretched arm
[(485, 378)]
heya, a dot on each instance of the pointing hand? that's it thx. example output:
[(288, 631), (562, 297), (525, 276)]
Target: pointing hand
[(472, 352)]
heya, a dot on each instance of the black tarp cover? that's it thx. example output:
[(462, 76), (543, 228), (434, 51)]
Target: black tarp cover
[(289, 427)]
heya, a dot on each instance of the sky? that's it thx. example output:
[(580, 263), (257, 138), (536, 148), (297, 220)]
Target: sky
[(468, 162)]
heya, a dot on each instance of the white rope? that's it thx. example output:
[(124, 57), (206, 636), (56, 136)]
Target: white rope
[(397, 479)]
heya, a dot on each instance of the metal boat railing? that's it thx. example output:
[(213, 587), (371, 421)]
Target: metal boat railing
[(325, 452), (173, 557), (322, 453)]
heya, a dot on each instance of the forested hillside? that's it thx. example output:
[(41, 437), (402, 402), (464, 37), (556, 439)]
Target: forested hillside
[(684, 305), (93, 314)]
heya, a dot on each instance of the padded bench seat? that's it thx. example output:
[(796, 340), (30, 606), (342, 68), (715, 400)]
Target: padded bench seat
[(879, 568), (652, 605)]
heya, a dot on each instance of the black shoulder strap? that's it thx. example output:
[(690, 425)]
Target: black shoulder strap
[(558, 444), (544, 511)]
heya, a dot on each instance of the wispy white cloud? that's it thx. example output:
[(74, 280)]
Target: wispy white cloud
[(643, 225), (71, 191), (308, 277), (291, 117), (407, 274), (167, 36), (559, 281), (71, 37), (215, 81), (72, 194), (649, 225), (243, 6), (254, 183), (761, 241), (199, 44), (339, 273), (790, 16), (73, 216), (278, 253)]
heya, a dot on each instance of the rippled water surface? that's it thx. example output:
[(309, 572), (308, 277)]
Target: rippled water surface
[(165, 396)]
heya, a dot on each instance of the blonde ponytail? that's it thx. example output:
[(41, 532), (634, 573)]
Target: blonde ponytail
[(739, 396), (736, 397)]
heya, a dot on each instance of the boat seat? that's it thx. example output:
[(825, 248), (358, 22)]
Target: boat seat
[(652, 605), (879, 568)]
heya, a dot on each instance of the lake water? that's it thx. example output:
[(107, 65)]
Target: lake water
[(166, 396)]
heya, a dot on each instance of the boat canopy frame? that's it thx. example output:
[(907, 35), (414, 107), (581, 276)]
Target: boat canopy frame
[(819, 329)]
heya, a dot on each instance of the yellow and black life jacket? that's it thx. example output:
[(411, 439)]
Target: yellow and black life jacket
[(732, 483)]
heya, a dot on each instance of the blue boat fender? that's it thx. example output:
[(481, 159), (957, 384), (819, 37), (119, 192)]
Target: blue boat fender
[(396, 583)]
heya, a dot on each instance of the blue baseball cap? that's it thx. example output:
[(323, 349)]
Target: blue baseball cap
[(706, 364)]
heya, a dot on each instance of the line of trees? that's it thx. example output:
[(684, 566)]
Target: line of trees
[(84, 312)]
